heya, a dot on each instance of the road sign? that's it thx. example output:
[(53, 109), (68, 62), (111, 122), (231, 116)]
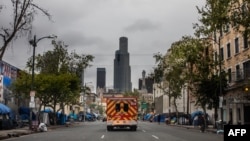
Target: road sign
[(32, 93)]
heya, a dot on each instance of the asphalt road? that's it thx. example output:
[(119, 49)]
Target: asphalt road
[(96, 131)]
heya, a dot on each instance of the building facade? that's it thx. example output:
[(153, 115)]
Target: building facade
[(234, 53), (122, 70), (8, 74)]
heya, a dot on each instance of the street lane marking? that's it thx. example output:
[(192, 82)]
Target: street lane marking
[(155, 137), (102, 137), (143, 131)]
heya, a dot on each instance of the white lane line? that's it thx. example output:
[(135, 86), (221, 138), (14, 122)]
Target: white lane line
[(155, 137), (102, 137), (143, 131)]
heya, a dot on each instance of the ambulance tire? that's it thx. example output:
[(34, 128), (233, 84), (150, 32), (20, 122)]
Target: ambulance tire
[(109, 128), (133, 128)]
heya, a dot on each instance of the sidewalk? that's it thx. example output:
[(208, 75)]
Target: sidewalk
[(4, 134), (210, 128)]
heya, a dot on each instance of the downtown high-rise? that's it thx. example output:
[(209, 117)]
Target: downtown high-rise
[(101, 78), (122, 69)]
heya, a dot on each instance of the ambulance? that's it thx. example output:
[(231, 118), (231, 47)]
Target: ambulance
[(122, 113)]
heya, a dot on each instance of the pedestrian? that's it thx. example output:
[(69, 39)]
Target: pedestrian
[(201, 120), (159, 118)]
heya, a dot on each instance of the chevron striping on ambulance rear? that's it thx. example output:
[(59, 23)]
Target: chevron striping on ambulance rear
[(122, 112)]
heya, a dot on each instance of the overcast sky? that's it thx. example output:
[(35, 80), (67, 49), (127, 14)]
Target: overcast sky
[(95, 26)]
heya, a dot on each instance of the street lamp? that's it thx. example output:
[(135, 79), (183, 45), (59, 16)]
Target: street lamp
[(32, 92), (220, 79)]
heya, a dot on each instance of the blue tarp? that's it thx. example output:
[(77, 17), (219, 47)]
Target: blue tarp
[(162, 119), (6, 81), (4, 109), (73, 116), (196, 113), (47, 110), (147, 116), (24, 113), (89, 116)]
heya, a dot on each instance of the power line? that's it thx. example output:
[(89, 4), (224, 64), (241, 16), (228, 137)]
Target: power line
[(136, 54)]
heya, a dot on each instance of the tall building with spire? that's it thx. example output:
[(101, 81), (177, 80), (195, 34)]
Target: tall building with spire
[(122, 69), (146, 83)]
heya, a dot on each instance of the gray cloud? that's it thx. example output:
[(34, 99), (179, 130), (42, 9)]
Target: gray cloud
[(94, 27), (142, 25)]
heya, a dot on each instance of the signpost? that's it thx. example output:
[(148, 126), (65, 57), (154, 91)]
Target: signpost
[(32, 106)]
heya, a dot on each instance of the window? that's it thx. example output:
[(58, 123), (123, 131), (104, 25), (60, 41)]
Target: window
[(117, 107), (246, 69), (229, 71), (238, 76), (235, 17), (81, 99), (236, 45), (244, 9), (245, 41), (125, 107), (215, 56), (228, 50), (221, 54), (221, 33), (226, 28), (215, 37), (207, 51)]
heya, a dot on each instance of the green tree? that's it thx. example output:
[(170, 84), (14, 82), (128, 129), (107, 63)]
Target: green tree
[(55, 89), (214, 16), (180, 67), (100, 109), (208, 90), (57, 81), (21, 87), (240, 17)]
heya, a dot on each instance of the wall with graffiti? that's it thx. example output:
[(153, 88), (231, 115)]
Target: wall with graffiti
[(8, 74)]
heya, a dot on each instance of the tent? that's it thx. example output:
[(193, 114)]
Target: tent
[(5, 122), (4, 109), (196, 113), (24, 113), (47, 110)]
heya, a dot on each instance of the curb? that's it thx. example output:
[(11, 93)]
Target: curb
[(26, 131)]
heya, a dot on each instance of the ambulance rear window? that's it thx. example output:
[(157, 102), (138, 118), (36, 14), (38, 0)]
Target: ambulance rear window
[(117, 107), (126, 107)]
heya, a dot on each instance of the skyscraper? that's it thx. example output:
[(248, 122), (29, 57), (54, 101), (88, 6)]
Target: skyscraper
[(122, 70), (101, 78)]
